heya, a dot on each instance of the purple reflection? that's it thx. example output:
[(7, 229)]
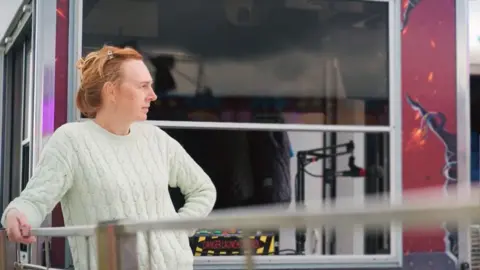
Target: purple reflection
[(48, 107)]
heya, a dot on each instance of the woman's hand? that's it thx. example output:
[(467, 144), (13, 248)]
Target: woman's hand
[(17, 227)]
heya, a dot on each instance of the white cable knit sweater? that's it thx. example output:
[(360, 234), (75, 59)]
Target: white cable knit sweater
[(100, 176)]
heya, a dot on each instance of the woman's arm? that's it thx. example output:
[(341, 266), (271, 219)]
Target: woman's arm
[(51, 179), (194, 183)]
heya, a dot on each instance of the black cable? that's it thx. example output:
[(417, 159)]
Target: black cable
[(309, 173), (313, 175)]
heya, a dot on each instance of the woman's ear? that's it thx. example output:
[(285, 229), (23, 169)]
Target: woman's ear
[(108, 92)]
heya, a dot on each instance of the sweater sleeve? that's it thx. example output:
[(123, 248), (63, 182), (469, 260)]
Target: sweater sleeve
[(194, 183), (51, 179)]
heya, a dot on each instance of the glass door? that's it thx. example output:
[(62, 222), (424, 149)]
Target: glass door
[(17, 115)]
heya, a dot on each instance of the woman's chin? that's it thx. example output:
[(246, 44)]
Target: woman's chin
[(142, 117)]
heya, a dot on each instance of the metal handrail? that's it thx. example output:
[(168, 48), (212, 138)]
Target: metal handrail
[(424, 209)]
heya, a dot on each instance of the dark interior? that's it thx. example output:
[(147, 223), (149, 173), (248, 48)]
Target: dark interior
[(475, 125), (232, 56), (258, 61), (475, 102)]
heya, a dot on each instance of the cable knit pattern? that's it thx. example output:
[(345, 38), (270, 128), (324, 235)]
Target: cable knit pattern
[(99, 176)]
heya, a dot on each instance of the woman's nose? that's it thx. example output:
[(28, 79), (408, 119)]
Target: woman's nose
[(152, 96)]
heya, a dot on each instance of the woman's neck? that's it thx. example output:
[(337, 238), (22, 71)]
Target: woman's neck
[(113, 125)]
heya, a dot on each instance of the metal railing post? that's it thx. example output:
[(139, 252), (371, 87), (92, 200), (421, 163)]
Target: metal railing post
[(248, 250), (3, 250), (7, 252), (116, 249)]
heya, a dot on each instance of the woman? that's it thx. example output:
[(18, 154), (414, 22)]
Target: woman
[(111, 168)]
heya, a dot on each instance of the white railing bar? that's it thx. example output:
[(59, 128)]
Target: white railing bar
[(270, 127), (267, 126), (33, 267), (409, 215), (86, 230), (423, 209)]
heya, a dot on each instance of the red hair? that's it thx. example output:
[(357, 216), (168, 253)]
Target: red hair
[(96, 69)]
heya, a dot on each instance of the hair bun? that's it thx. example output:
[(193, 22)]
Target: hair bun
[(81, 67)]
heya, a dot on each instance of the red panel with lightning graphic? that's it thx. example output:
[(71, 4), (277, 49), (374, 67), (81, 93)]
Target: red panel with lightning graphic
[(429, 111)]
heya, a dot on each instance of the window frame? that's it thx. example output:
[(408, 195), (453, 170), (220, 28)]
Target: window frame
[(474, 34), (394, 129), (19, 45), (463, 128), (16, 101)]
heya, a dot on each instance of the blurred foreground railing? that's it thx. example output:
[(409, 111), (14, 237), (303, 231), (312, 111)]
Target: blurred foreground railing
[(116, 239)]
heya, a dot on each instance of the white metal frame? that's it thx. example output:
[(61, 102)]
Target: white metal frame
[(2, 90), (75, 27), (270, 127), (395, 259), (43, 67), (395, 97), (75, 32), (44, 28), (463, 121), (474, 46)]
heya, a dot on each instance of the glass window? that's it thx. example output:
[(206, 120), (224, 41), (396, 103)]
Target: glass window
[(271, 167), (15, 163), (14, 114), (25, 165), (27, 92), (16, 85), (292, 61)]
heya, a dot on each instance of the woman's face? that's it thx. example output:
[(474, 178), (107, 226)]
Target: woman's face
[(135, 92)]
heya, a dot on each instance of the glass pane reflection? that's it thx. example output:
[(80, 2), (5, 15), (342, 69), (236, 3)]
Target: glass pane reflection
[(255, 61), (254, 168)]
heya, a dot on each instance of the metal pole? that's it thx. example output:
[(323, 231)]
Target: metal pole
[(116, 249), (463, 126), (3, 250), (248, 250), (43, 38), (7, 252)]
